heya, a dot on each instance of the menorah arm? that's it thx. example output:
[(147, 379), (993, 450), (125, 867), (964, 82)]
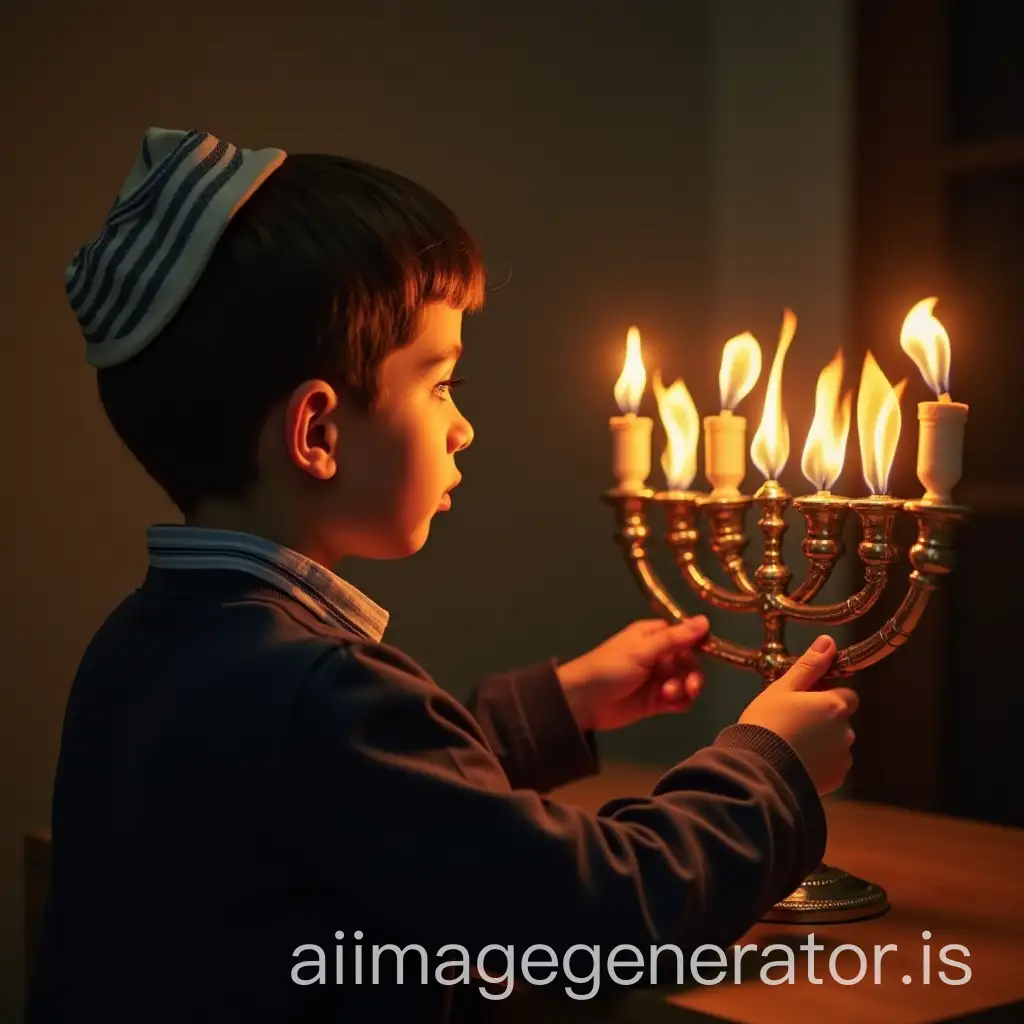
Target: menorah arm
[(631, 538), (822, 546), (727, 542), (662, 603), (651, 587), (710, 591), (817, 576), (894, 634), (931, 558), (733, 565), (726, 534), (882, 642), (733, 654), (839, 612)]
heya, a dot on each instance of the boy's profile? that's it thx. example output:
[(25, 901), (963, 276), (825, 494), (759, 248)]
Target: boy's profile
[(246, 766)]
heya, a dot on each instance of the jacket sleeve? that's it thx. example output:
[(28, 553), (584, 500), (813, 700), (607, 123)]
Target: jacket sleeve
[(396, 803), (531, 729)]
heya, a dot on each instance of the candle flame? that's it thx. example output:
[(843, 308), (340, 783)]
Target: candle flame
[(825, 448), (925, 340), (878, 424), (682, 429), (629, 388), (770, 447), (741, 367)]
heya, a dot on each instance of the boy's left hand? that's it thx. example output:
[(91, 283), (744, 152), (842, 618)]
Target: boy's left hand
[(648, 668)]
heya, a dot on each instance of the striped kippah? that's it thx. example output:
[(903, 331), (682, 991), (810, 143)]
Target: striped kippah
[(129, 281)]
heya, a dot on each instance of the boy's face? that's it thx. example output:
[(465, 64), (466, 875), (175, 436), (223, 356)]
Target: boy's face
[(383, 476)]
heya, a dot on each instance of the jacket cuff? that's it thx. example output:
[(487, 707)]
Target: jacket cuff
[(533, 730), (784, 759)]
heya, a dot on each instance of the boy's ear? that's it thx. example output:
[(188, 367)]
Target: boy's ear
[(311, 429)]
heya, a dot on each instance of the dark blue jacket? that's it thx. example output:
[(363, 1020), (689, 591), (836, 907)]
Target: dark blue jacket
[(238, 779)]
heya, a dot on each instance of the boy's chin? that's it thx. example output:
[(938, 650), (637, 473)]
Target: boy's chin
[(396, 540), (417, 539), (403, 544)]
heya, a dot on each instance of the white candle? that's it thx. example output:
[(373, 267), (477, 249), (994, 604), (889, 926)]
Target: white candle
[(725, 435), (631, 450), (940, 441), (725, 452), (940, 448), (631, 433)]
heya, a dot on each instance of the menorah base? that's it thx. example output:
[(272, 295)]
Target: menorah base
[(830, 895)]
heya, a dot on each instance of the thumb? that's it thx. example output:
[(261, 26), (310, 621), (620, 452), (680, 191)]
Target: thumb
[(680, 634), (810, 666)]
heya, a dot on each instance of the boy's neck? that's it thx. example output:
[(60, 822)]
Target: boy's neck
[(243, 519)]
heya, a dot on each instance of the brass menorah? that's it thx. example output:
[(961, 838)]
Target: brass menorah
[(829, 894)]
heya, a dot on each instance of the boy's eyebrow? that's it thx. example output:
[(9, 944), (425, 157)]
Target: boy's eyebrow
[(453, 351)]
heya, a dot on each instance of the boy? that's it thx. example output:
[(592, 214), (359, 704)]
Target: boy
[(247, 771)]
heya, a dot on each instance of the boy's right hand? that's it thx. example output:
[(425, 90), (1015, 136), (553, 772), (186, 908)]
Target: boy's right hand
[(814, 723)]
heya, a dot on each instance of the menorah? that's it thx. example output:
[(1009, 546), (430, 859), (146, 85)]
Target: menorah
[(828, 894)]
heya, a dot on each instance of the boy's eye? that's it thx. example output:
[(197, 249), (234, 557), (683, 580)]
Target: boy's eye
[(444, 388)]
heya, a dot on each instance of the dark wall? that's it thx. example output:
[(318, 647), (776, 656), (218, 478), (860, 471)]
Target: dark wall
[(572, 136)]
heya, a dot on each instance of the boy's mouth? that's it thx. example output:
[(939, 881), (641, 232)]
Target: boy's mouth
[(446, 499)]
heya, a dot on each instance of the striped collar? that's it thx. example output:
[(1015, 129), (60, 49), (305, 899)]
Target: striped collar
[(328, 596)]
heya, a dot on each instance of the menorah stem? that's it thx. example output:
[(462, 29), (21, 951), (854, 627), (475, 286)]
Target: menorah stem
[(772, 575)]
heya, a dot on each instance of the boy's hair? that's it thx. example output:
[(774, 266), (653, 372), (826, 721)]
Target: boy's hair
[(320, 274)]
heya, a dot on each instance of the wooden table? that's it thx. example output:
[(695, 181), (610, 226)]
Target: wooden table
[(960, 880)]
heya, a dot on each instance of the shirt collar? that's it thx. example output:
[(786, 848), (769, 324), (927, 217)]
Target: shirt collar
[(334, 601)]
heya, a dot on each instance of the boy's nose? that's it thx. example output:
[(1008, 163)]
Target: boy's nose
[(461, 436)]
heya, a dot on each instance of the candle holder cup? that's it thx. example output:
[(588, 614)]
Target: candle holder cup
[(828, 894)]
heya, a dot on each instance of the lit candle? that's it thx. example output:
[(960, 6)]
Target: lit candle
[(825, 448), (940, 444), (879, 422), (725, 434), (682, 432), (770, 447), (631, 434)]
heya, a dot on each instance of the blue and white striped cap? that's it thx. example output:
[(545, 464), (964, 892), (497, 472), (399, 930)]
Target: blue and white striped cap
[(126, 284)]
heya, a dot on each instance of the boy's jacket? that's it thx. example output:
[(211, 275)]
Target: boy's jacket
[(238, 779)]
